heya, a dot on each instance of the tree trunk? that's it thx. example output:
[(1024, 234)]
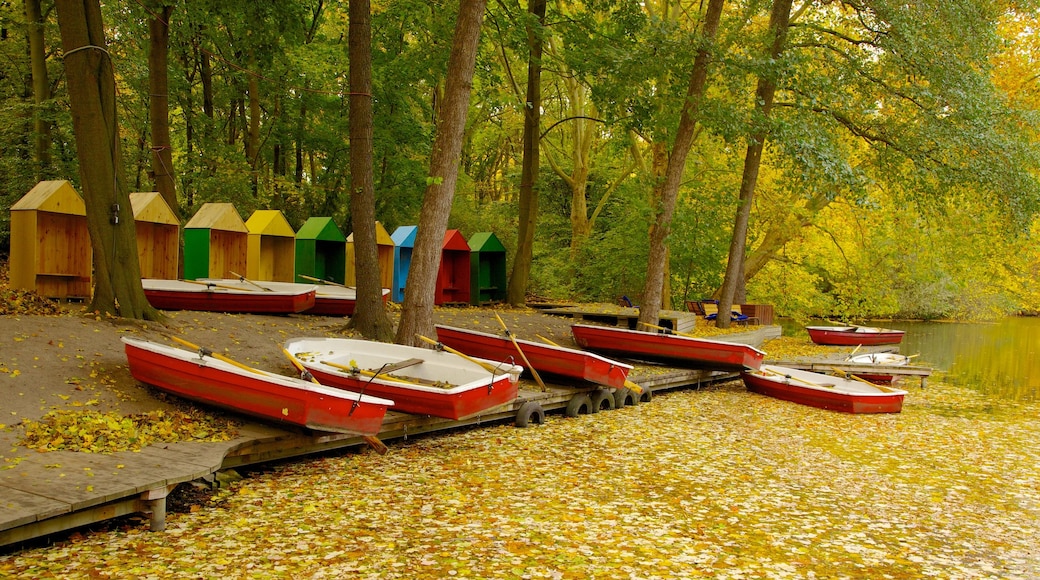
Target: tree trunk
[(92, 95), (253, 140), (159, 107), (417, 311), (668, 189), (778, 23), (370, 318), (780, 233), (516, 293), (40, 84)]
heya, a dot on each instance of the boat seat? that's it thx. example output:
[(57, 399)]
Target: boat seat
[(399, 365)]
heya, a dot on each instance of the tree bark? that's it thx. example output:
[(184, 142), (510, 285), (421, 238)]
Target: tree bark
[(417, 311), (92, 92), (516, 293), (667, 190), (40, 84), (159, 107), (370, 318), (766, 89)]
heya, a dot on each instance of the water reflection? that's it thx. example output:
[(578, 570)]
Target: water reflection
[(998, 358)]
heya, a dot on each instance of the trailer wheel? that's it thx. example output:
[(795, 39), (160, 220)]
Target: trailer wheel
[(646, 396), (579, 404), (602, 400), (624, 397), (530, 412)]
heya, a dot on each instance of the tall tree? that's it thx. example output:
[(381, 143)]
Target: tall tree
[(34, 20), (159, 105), (370, 319), (666, 191), (417, 312), (92, 95), (517, 290)]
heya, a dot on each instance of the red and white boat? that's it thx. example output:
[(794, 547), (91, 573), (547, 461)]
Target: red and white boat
[(329, 299), (823, 391), (545, 358), (418, 380), (854, 335), (214, 380), (227, 296), (676, 349), (878, 361)]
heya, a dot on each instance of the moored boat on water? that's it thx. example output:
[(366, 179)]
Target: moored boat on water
[(211, 379), (854, 335), (218, 296), (545, 358), (880, 360), (823, 391), (418, 380), (675, 349)]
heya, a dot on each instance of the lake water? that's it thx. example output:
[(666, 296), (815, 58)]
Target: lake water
[(998, 358)]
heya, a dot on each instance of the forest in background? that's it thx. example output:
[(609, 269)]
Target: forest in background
[(899, 177)]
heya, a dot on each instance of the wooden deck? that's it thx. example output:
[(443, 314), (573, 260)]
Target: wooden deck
[(626, 317), (47, 493)]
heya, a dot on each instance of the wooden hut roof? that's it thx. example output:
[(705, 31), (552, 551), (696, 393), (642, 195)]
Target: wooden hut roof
[(320, 228), (269, 222), (149, 206), (485, 242), (217, 216), (453, 240), (404, 236), (56, 196)]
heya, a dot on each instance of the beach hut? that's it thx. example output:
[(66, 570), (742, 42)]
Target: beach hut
[(385, 248), (271, 247), (404, 242), (487, 269), (215, 242), (453, 275), (320, 251), (158, 235), (50, 244)]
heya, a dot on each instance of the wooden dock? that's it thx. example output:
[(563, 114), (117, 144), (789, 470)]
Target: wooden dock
[(626, 317), (48, 493)]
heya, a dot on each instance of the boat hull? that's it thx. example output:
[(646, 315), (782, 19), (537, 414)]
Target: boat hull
[(556, 360), (473, 389), (668, 348), (275, 398), (806, 388), (182, 295), (853, 335), (879, 359), (337, 301)]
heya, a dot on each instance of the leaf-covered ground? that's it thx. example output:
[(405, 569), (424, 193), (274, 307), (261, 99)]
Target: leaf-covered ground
[(716, 483)]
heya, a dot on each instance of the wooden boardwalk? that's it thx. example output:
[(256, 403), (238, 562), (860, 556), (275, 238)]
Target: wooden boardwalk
[(47, 493), (626, 317)]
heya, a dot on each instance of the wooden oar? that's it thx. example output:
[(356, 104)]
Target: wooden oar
[(242, 278), (853, 353), (372, 440), (489, 368), (853, 377), (790, 378), (207, 352), (628, 384), (383, 375), (329, 282), (215, 285), (523, 356)]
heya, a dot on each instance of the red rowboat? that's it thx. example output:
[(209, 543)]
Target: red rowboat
[(329, 300), (854, 335), (879, 360), (545, 358), (226, 296), (418, 380), (823, 391), (276, 398), (675, 349)]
